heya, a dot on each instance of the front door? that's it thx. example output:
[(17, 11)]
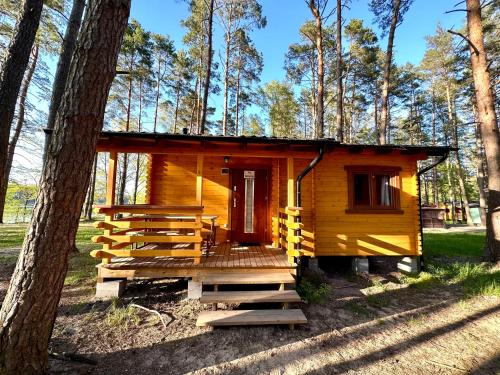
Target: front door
[(249, 205)]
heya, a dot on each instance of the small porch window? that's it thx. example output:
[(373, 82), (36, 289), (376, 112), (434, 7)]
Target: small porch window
[(249, 201), (373, 189)]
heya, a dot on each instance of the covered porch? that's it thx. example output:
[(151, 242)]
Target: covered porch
[(186, 240)]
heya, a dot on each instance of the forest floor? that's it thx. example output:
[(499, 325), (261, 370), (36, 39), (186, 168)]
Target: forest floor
[(445, 321)]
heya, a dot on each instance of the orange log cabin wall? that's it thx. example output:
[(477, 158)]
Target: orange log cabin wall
[(328, 229)]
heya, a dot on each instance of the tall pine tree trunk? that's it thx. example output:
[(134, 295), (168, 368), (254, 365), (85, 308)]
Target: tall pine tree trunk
[(226, 83), (340, 94), (320, 111), (208, 73), (123, 175), (17, 131), (488, 124), (157, 98), (452, 119), (237, 104), (480, 175), (176, 113), (384, 111), (63, 65), (30, 306), (14, 64), (435, 192), (89, 202)]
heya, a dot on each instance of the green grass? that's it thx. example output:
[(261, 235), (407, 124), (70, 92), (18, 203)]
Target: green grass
[(122, 317), (314, 288), (357, 309), (12, 235), (472, 278), (454, 244), (81, 265)]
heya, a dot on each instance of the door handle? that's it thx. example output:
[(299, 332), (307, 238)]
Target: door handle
[(234, 202)]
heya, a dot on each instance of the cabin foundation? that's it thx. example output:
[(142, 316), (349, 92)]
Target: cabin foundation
[(409, 265), (360, 266), (313, 266), (110, 289), (194, 289)]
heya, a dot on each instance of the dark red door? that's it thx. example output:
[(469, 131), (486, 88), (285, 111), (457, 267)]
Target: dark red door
[(249, 205)]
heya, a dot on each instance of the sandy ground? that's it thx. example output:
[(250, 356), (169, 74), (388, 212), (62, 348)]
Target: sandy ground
[(398, 330)]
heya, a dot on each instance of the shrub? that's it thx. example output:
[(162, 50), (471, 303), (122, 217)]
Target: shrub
[(314, 289)]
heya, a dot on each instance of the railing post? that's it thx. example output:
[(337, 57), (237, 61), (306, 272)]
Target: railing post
[(199, 202), (111, 182), (290, 203)]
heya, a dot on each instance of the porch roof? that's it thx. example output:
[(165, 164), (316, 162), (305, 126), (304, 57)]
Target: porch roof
[(162, 142)]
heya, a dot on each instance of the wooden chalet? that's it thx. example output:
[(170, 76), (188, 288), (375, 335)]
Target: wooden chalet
[(247, 210)]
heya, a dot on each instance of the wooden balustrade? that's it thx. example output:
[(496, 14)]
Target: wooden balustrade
[(284, 226), (149, 231)]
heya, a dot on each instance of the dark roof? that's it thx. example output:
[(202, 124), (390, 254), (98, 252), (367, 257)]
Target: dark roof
[(329, 142), (429, 150)]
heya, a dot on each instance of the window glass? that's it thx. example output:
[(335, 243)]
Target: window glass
[(383, 190), (249, 204), (361, 189)]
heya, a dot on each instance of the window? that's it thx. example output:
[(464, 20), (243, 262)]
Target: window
[(249, 201), (373, 189)]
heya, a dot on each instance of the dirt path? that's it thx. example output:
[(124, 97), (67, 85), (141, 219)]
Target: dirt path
[(401, 331)]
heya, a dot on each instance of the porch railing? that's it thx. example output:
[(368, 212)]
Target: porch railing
[(285, 227), (149, 231)]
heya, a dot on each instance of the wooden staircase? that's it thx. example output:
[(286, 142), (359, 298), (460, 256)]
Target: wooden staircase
[(250, 317)]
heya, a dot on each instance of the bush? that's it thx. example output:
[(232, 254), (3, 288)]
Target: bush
[(314, 289)]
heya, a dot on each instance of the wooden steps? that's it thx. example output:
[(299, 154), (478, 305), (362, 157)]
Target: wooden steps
[(251, 317), (248, 278), (252, 296)]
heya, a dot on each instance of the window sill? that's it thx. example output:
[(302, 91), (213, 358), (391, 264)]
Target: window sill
[(375, 211)]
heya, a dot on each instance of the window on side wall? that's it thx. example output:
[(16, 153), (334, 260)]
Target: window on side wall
[(373, 189)]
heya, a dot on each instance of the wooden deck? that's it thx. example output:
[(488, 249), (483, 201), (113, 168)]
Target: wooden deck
[(225, 257)]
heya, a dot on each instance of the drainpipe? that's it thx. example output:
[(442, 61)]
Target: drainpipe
[(419, 173), (298, 201)]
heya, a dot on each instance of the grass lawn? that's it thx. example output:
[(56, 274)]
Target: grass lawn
[(469, 244), (12, 235), (81, 265)]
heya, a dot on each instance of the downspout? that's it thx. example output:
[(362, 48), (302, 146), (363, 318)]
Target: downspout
[(419, 173), (298, 201)]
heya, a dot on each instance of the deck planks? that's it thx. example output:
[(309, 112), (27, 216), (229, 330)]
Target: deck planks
[(221, 256)]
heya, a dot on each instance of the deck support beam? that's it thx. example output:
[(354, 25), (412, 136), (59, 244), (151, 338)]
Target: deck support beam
[(110, 197), (111, 182)]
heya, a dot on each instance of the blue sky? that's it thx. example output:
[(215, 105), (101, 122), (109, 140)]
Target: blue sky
[(284, 18)]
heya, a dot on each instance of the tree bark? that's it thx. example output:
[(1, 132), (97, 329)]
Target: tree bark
[(14, 64), (320, 112), (208, 73), (340, 94), (157, 98), (488, 125), (384, 111), (176, 114), (237, 104), (226, 83), (123, 175), (89, 202), (435, 192), (30, 306), (17, 132), (63, 65), (480, 175), (452, 118)]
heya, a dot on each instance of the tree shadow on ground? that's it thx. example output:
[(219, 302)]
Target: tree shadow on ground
[(275, 347)]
